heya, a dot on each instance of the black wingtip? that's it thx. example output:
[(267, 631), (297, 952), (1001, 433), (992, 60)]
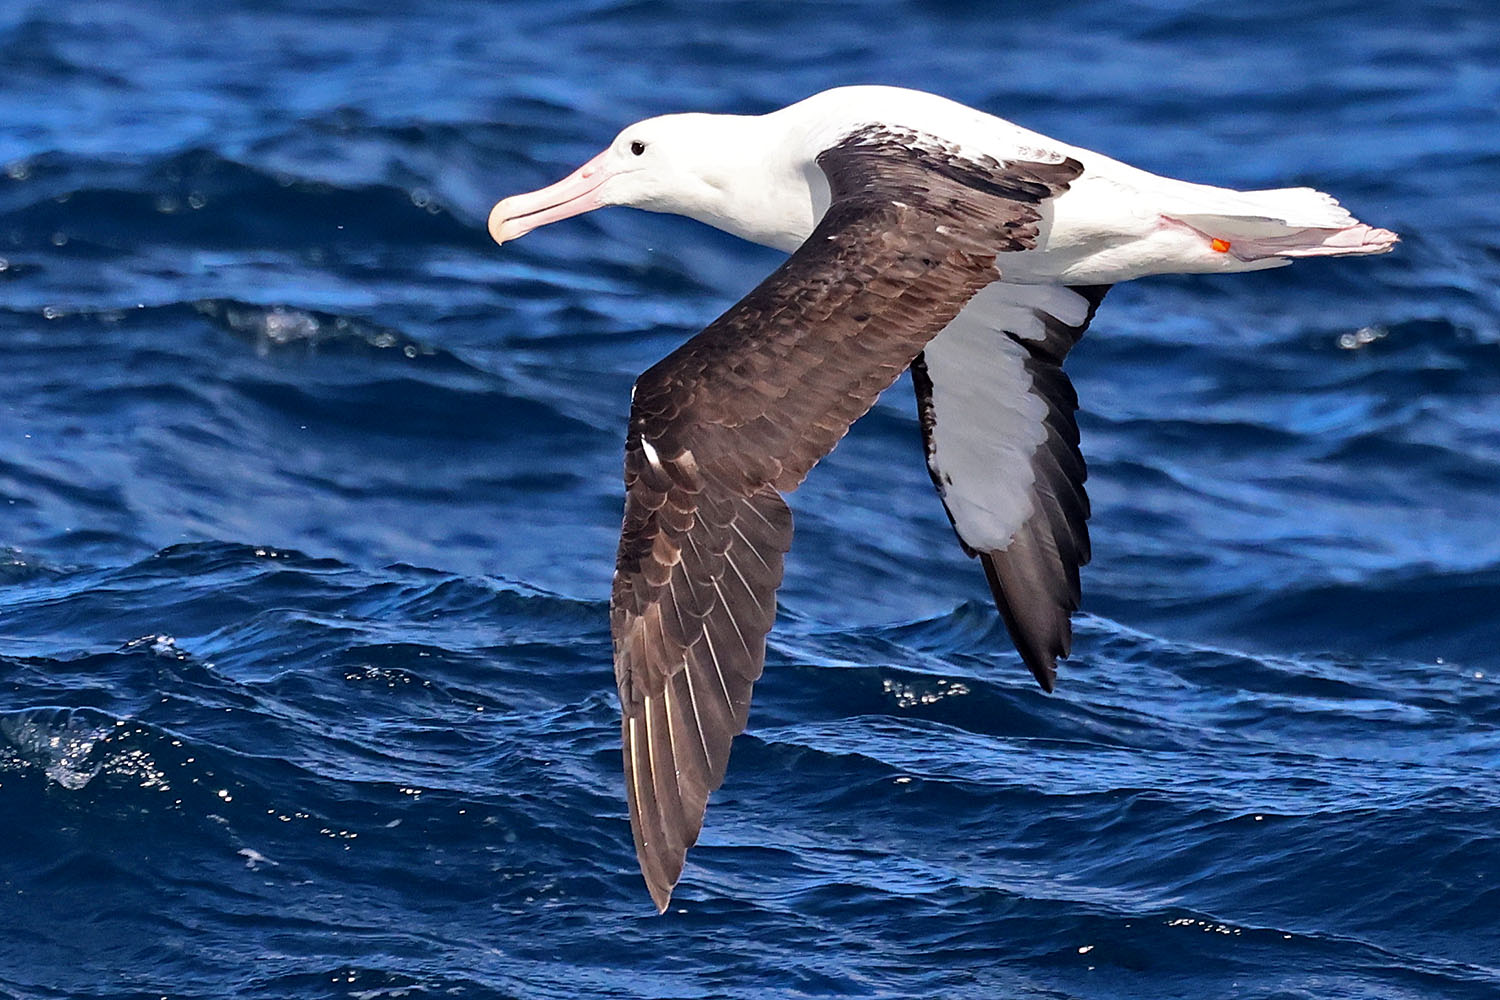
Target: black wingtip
[(661, 896), (1043, 666), (1041, 661), (655, 872)]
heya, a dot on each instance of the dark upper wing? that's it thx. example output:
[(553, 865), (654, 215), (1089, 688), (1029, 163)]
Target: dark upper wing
[(739, 414), (1002, 447)]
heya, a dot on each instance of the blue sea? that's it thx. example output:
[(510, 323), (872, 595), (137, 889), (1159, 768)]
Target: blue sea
[(309, 496)]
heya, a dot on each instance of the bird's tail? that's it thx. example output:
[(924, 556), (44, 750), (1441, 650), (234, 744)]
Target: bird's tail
[(1285, 223)]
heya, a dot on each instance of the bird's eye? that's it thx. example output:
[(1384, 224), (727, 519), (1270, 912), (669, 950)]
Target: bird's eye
[(637, 147)]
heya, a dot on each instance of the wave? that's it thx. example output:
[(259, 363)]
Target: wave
[(308, 497), (454, 738), (203, 199)]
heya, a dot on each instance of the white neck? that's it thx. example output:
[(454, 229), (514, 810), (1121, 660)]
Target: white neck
[(768, 186)]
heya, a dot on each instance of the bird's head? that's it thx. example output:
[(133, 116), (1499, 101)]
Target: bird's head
[(714, 168)]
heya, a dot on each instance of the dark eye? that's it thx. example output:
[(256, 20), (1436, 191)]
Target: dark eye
[(637, 147)]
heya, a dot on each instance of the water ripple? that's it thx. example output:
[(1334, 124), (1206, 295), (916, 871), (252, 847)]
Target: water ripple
[(309, 497)]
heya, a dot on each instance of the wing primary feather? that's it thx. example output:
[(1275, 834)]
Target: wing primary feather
[(749, 591), (739, 633), (687, 676), (748, 547), (719, 669)]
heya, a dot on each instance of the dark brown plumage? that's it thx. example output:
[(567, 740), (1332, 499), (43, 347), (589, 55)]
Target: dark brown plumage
[(738, 415)]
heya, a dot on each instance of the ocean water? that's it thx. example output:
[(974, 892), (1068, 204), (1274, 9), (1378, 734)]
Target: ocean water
[(309, 497)]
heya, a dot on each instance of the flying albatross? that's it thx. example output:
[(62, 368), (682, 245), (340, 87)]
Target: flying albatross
[(925, 235)]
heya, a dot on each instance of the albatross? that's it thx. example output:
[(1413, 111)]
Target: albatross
[(923, 235)]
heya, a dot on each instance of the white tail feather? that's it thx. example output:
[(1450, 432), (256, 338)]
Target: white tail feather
[(1290, 223), (1304, 208), (1352, 240)]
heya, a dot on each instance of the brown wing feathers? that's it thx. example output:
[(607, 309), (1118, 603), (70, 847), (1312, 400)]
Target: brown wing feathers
[(738, 415)]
